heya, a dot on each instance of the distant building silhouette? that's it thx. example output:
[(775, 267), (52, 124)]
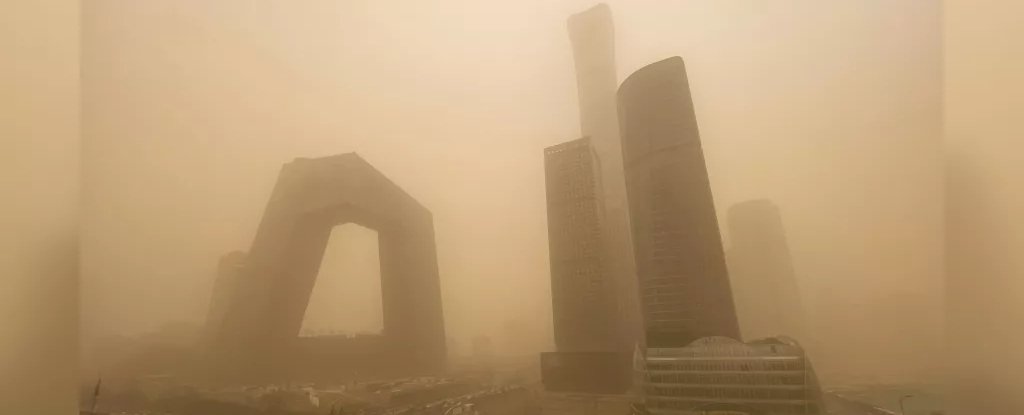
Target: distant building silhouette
[(483, 348), (684, 284), (592, 34), (259, 335), (767, 295), (228, 271)]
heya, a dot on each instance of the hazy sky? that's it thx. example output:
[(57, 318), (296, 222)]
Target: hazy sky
[(39, 166), (831, 109), (984, 98)]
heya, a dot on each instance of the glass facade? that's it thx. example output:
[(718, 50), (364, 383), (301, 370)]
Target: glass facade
[(684, 288), (582, 301), (771, 376)]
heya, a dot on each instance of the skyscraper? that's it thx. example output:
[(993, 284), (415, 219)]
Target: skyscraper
[(592, 34), (582, 302), (684, 284), (596, 312), (593, 43), (767, 296), (584, 296), (258, 336)]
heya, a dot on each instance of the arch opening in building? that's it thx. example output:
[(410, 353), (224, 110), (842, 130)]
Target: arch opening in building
[(256, 333)]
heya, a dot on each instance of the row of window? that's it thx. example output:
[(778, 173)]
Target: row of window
[(575, 221), (574, 214), (568, 165), (666, 287), (578, 251), (577, 145), (727, 365), (578, 275), (564, 183), (566, 194), (681, 322), (582, 284), (731, 349), (808, 408), (666, 221), (778, 378), (588, 289), (726, 393), (561, 156), (668, 307)]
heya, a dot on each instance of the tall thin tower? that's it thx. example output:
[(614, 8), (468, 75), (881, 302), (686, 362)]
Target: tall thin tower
[(593, 42)]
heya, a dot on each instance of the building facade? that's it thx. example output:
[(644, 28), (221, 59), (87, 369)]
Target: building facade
[(684, 284), (581, 295), (258, 337), (229, 269), (592, 34), (596, 309), (768, 298), (772, 376)]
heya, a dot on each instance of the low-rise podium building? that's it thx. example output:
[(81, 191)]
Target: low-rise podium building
[(772, 376)]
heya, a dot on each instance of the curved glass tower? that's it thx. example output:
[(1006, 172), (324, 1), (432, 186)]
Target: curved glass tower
[(680, 264)]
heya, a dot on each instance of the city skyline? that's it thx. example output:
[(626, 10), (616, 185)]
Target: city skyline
[(145, 139), (760, 138), (207, 181)]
